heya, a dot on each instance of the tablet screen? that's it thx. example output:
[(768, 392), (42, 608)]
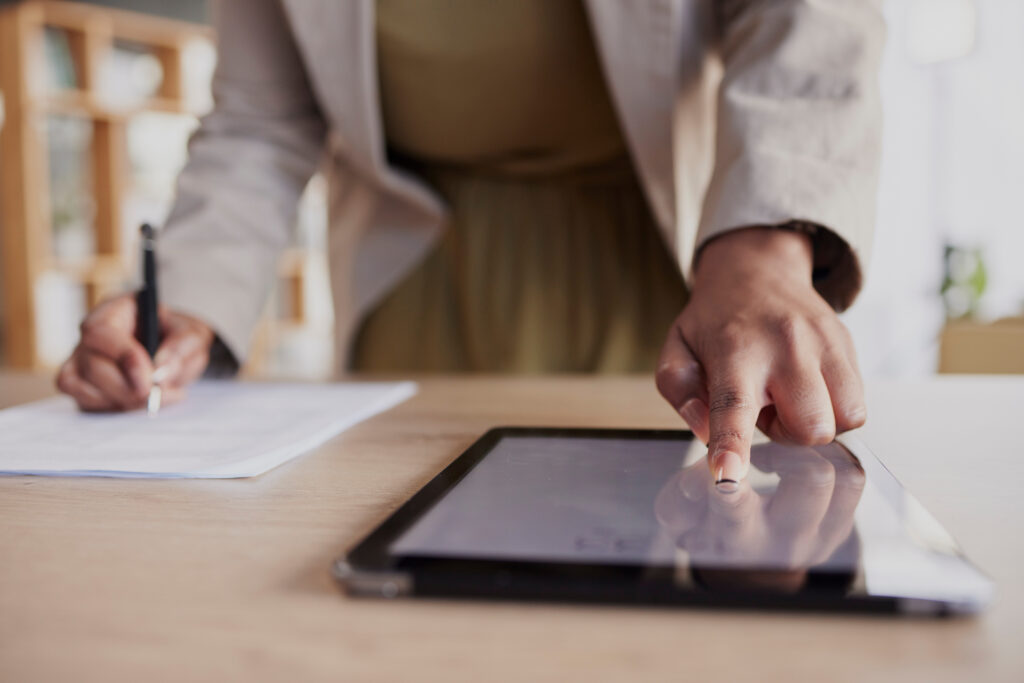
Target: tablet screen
[(802, 515)]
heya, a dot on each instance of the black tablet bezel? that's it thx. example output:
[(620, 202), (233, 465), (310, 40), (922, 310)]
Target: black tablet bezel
[(369, 569)]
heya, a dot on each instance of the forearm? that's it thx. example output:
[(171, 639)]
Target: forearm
[(798, 133), (248, 165)]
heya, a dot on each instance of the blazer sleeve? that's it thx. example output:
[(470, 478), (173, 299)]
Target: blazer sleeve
[(799, 129), (248, 164)]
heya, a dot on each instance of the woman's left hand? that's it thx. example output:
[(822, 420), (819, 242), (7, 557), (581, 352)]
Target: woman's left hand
[(756, 345)]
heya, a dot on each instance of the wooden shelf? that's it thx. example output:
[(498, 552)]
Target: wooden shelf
[(84, 104), (120, 24), (92, 33), (94, 269)]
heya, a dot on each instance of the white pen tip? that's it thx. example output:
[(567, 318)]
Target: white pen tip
[(160, 374), (153, 404)]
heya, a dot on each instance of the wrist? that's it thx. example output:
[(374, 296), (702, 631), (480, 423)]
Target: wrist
[(748, 251)]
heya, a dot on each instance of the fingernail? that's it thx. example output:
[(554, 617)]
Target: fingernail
[(690, 413), (728, 472)]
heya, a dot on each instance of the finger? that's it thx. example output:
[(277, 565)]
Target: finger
[(105, 375), (846, 391), (732, 413), (680, 379), (178, 354), (119, 311), (86, 396), (193, 368), (803, 406), (121, 348)]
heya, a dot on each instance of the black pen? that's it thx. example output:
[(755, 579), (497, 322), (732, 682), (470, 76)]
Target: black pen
[(148, 328)]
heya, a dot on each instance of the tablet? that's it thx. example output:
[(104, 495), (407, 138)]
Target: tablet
[(633, 516)]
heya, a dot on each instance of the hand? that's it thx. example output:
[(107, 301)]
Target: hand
[(757, 346), (766, 540), (110, 369)]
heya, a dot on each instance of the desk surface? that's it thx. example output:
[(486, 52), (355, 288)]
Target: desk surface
[(219, 580)]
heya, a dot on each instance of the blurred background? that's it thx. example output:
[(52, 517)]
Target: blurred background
[(99, 98)]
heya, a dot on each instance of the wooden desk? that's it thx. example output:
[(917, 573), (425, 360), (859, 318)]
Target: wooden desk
[(228, 580)]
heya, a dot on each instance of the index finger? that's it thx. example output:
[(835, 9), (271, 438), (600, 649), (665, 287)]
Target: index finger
[(732, 412)]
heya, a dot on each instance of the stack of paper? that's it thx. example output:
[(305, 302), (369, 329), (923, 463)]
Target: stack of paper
[(222, 429)]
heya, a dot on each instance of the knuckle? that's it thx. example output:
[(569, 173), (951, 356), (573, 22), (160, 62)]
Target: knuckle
[(665, 379), (801, 391), (725, 439), (838, 369), (791, 337), (93, 326), (809, 427), (851, 417), (729, 400), (840, 358), (789, 330), (824, 324), (732, 336), (63, 379), (796, 332), (129, 359), (86, 368), (671, 380)]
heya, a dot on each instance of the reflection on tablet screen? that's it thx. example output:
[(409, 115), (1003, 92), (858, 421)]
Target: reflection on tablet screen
[(805, 518)]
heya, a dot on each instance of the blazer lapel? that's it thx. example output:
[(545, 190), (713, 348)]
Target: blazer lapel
[(639, 46)]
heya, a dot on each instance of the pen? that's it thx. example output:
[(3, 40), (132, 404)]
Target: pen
[(148, 328)]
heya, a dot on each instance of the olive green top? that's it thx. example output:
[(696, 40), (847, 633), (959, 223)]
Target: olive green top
[(551, 261), (506, 85)]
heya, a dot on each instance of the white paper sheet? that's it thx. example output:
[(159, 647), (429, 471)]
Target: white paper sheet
[(223, 429)]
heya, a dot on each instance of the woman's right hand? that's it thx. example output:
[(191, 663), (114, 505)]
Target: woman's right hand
[(110, 370)]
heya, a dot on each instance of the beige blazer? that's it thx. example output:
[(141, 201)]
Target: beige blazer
[(737, 113)]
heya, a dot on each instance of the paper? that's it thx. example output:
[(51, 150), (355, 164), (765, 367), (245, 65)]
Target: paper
[(222, 429)]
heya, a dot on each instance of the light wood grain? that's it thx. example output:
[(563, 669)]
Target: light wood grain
[(24, 224), (224, 580)]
